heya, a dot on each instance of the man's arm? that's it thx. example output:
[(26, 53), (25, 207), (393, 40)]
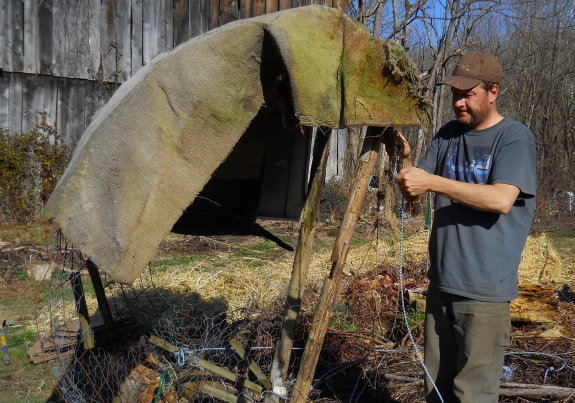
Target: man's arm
[(414, 182), (497, 198)]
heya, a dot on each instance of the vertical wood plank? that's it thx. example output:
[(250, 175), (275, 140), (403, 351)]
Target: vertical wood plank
[(85, 67), (103, 305), (181, 21), (234, 11), (271, 6), (50, 99), (73, 46), (59, 24), (5, 33), (4, 99), (195, 17), (245, 8), (82, 309), (205, 15), (332, 164), (341, 150), (76, 107), (45, 42), (109, 45), (123, 39), (149, 30), (92, 103), (15, 104), (167, 23), (159, 28), (258, 7), (225, 8), (94, 48), (62, 109), (137, 38), (16, 36), (214, 13), (32, 101), (285, 4), (31, 36)]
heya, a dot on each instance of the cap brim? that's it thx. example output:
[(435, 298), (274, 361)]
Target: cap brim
[(460, 82)]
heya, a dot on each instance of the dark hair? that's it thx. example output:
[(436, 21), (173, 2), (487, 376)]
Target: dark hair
[(488, 85)]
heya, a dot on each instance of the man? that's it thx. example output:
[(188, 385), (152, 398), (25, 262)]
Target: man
[(481, 167)]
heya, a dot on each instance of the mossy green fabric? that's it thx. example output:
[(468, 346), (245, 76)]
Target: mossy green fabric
[(157, 142)]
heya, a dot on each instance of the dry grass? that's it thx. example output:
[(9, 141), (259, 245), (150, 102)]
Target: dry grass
[(254, 282), (541, 263)]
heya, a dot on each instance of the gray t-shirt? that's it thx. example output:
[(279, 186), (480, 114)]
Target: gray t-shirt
[(473, 253)]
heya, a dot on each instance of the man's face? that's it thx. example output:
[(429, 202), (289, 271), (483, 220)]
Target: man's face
[(471, 107)]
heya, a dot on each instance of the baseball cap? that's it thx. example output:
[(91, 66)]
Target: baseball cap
[(474, 68)]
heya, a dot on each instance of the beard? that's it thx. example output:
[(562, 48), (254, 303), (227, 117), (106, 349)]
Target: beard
[(473, 117)]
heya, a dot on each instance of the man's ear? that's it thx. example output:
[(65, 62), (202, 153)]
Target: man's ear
[(493, 93)]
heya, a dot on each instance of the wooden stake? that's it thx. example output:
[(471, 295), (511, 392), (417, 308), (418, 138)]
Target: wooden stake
[(254, 367), (82, 310), (302, 258), (100, 294), (329, 291)]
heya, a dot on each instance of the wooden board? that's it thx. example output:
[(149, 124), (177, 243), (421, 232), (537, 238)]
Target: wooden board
[(62, 106), (123, 41), (45, 42), (32, 102), (181, 21), (225, 11), (4, 98), (31, 37), (149, 30), (258, 7), (109, 45), (137, 36), (272, 6), (58, 344), (60, 66), (98, 40), (214, 14), (245, 9), (5, 40), (205, 15), (76, 106), (50, 105), (14, 123)]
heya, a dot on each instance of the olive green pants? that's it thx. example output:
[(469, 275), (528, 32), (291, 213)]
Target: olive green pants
[(464, 347)]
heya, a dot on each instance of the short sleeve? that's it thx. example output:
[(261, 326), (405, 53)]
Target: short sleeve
[(514, 162), (429, 161)]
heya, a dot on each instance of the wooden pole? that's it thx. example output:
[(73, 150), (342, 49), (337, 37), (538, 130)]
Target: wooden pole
[(82, 310), (302, 258), (329, 291), (100, 294)]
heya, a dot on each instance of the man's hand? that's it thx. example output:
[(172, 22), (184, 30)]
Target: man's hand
[(414, 182), (397, 147)]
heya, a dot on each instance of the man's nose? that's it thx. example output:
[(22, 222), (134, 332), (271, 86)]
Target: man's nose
[(458, 100)]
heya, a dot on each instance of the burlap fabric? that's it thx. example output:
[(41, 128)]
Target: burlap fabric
[(153, 147)]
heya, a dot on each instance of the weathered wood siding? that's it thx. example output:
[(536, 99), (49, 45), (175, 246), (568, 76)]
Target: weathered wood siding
[(67, 57)]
